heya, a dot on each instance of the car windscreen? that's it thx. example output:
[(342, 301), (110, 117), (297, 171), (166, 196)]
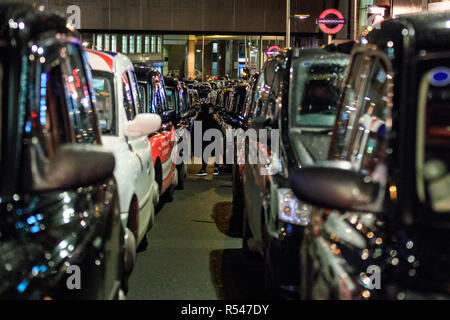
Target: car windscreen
[(104, 94), (315, 90)]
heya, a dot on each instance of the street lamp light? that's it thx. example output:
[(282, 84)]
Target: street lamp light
[(288, 23), (301, 16)]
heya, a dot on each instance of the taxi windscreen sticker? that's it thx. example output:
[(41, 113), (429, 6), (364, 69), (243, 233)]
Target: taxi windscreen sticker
[(439, 77)]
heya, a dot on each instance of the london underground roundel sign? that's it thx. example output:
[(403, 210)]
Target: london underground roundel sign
[(333, 17), (273, 50)]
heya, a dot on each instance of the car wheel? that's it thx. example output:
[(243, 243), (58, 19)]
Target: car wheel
[(169, 195), (246, 235), (238, 196), (122, 295), (124, 287), (143, 245), (181, 177), (306, 279), (268, 281)]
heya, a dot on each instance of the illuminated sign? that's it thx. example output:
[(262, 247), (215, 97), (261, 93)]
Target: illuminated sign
[(273, 50), (439, 77), (324, 19)]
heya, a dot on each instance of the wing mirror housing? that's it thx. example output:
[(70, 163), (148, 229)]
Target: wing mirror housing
[(143, 125), (71, 167), (188, 114), (235, 120), (168, 116), (262, 123), (335, 187)]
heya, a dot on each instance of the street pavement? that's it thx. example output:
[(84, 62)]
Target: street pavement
[(194, 251)]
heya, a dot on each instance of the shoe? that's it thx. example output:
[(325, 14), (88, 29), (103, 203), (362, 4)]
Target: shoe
[(202, 173), (216, 171)]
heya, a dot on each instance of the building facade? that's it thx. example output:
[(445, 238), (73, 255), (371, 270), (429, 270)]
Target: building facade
[(196, 38)]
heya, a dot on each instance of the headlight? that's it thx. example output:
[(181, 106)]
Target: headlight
[(291, 210)]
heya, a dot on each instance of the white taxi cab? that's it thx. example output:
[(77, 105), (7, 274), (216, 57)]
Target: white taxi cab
[(125, 132)]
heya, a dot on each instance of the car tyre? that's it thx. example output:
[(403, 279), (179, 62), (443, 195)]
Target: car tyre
[(169, 194), (181, 177), (238, 197), (246, 235), (143, 245), (268, 280)]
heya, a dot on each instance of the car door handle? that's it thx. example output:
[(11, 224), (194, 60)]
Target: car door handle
[(140, 161), (130, 147)]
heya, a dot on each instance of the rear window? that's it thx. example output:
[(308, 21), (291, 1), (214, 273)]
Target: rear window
[(316, 90)]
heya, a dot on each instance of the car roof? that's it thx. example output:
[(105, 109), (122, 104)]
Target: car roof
[(420, 31), (22, 23), (108, 61), (241, 87), (170, 82), (145, 73)]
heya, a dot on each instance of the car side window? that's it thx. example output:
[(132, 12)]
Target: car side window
[(231, 100), (349, 107), (135, 91), (171, 98), (79, 100), (158, 95), (255, 108), (274, 91), (143, 93), (181, 103), (364, 119), (248, 100), (369, 145), (270, 90), (127, 97), (49, 123), (47, 126)]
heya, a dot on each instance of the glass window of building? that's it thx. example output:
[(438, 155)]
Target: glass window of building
[(147, 44), (98, 42), (159, 44), (139, 44), (106, 42), (113, 43), (153, 45), (124, 44), (132, 44)]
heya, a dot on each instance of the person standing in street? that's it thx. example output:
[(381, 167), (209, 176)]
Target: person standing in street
[(206, 116)]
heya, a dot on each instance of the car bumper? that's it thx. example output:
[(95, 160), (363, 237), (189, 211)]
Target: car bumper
[(283, 259)]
